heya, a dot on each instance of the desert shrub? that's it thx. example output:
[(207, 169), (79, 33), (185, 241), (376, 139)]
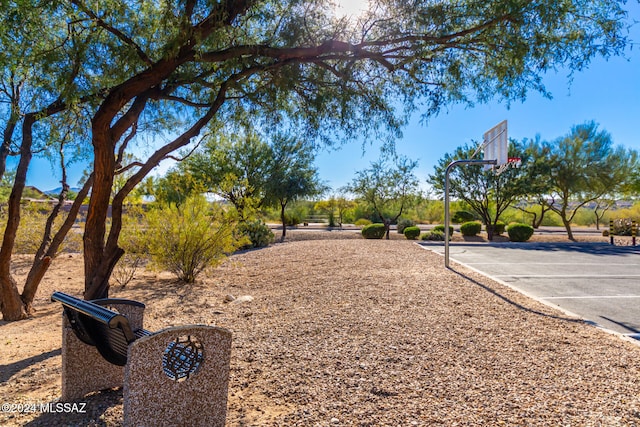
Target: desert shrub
[(520, 232), (551, 219), (292, 218), (188, 239), (126, 268), (435, 235), (471, 228), (498, 228), (411, 233), (373, 231), (33, 221), (135, 244), (332, 219), (404, 223), (258, 233), (362, 222), (462, 216), (440, 228)]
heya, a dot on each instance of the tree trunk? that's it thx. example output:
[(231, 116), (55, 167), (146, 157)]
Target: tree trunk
[(43, 259), (567, 225), (284, 222), (490, 229), (12, 306), (94, 235), (387, 228), (98, 287)]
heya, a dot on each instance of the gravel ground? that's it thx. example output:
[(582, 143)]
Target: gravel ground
[(366, 333)]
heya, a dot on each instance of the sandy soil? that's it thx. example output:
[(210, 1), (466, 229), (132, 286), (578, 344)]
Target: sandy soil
[(347, 331)]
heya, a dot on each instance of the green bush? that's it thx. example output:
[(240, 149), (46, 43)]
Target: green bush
[(520, 232), (362, 222), (189, 238), (462, 216), (440, 228), (435, 235), (404, 223), (258, 233), (374, 231), (411, 233), (292, 218), (332, 220), (471, 228), (135, 244), (33, 221), (498, 228)]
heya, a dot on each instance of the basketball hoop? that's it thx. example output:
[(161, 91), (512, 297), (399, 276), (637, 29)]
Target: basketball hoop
[(512, 162), (495, 145)]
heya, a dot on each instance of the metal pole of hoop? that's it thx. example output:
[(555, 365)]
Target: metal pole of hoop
[(446, 199)]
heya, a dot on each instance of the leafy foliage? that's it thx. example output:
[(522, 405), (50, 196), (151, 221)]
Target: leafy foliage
[(258, 233), (462, 216), (387, 187), (435, 235), (362, 222), (373, 231), (584, 166), (135, 244), (520, 232), (411, 232), (487, 194), (441, 229), (236, 167), (497, 228), (189, 238), (404, 223), (471, 228)]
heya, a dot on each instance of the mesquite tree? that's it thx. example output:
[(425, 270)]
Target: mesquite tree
[(43, 105), (388, 187), (488, 194), (585, 166), (187, 64)]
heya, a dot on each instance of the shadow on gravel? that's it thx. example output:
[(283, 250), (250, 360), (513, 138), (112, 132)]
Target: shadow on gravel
[(515, 304), (11, 369), (98, 409)]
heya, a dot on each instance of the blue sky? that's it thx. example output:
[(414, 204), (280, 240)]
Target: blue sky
[(608, 92)]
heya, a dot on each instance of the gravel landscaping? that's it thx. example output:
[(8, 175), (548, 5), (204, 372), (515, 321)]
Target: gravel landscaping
[(347, 331)]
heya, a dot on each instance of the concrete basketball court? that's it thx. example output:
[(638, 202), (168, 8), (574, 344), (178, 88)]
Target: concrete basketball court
[(596, 281)]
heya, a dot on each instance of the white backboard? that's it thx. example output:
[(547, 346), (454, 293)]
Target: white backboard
[(496, 144)]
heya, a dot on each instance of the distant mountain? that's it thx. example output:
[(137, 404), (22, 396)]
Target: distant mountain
[(57, 190), (31, 192)]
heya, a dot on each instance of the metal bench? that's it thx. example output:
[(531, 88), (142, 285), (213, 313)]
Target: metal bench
[(94, 324), (179, 373)]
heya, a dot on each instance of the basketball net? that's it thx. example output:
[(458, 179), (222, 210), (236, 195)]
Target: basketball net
[(512, 162)]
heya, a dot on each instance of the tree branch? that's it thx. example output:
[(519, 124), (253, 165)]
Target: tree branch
[(119, 34)]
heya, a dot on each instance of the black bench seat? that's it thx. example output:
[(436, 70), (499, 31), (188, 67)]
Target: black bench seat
[(97, 325)]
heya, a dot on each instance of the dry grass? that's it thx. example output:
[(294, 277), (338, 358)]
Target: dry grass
[(356, 332)]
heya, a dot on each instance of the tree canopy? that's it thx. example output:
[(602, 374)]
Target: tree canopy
[(488, 194), (138, 68), (584, 166), (388, 186), (235, 167)]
